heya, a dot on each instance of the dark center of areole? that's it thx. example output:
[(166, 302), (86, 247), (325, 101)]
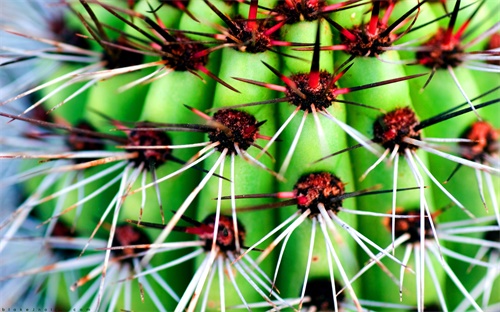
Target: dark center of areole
[(241, 129), (301, 10), (66, 34), (392, 128), (155, 157), (493, 236), (367, 44), (175, 3), (61, 230), (226, 236), (384, 4), (181, 54), (485, 142), (410, 226), (439, 54), (125, 235), (318, 188), (494, 43), (434, 307), (81, 142), (117, 57), (320, 96), (253, 40), (321, 296)]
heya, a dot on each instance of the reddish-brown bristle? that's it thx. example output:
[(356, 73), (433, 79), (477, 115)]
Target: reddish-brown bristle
[(295, 11), (226, 236), (318, 188), (448, 34), (441, 54), (243, 129), (183, 55), (485, 141), (321, 96), (373, 24), (120, 56), (366, 43), (151, 138), (410, 226), (80, 142), (126, 235), (392, 128), (494, 43)]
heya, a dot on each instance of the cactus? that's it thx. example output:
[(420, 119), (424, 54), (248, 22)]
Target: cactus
[(263, 155)]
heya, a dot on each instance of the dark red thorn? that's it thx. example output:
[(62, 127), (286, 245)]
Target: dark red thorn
[(290, 83), (314, 73), (222, 16), (338, 76), (205, 70), (373, 25), (389, 29), (334, 7), (449, 31), (262, 195), (262, 84), (273, 29), (183, 8), (344, 31), (198, 112), (67, 128), (387, 14), (337, 153), (464, 26), (252, 15), (285, 203), (263, 137), (146, 224), (376, 84)]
